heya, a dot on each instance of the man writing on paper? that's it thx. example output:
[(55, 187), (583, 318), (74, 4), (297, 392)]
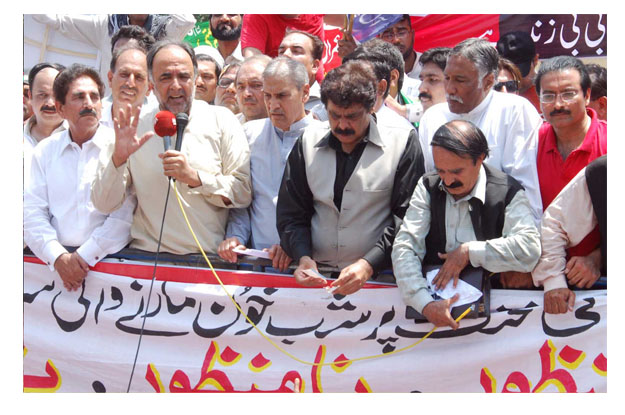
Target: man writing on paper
[(346, 186), (465, 211)]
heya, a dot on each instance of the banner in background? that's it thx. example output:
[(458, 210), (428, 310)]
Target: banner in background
[(578, 35), (195, 339), (201, 35)]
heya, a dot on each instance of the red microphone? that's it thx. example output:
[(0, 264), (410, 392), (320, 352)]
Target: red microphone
[(165, 126)]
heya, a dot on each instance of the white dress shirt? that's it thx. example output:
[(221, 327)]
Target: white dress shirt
[(569, 218), (510, 124), (57, 203), (30, 142)]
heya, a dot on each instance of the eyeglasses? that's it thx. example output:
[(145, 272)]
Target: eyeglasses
[(550, 97), (225, 82), (511, 86), (390, 34)]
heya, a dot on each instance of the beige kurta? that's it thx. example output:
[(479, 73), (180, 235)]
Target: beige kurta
[(214, 144)]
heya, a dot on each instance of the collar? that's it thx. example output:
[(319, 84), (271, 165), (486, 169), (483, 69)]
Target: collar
[(296, 126), (551, 144), (372, 135), (478, 191), (315, 90), (98, 139)]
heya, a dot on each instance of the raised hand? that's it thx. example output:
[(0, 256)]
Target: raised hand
[(125, 121)]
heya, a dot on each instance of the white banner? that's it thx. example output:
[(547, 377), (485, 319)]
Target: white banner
[(195, 339)]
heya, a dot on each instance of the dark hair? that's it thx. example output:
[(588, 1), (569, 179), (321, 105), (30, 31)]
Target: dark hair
[(203, 57), (353, 82), (437, 56), (69, 75), (598, 81), (562, 63), (406, 17), (161, 44), (481, 53), (379, 49), (121, 50), (317, 50), (381, 66), (39, 67), (142, 36), (462, 138)]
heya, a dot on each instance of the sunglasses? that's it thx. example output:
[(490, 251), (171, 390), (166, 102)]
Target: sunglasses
[(511, 86)]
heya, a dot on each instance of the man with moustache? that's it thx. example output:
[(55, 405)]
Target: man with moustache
[(128, 80), (509, 122), (211, 169), (45, 120), (572, 137), (56, 214), (464, 212), (285, 89), (226, 28), (226, 92), (346, 186), (432, 76), (249, 86), (208, 74)]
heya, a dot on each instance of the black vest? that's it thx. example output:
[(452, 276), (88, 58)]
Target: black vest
[(487, 218), (597, 181)]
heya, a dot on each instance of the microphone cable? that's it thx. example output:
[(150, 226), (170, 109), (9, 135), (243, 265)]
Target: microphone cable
[(158, 248)]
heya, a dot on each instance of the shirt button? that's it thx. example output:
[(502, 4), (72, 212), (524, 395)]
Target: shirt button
[(97, 258)]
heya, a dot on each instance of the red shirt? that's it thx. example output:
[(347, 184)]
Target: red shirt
[(532, 97), (266, 31), (554, 173)]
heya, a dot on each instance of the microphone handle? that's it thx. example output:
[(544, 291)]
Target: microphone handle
[(167, 142)]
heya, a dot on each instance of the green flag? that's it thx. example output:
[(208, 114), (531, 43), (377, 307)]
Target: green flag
[(201, 35)]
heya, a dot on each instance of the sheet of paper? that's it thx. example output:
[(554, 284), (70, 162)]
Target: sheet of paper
[(468, 293), (252, 252)]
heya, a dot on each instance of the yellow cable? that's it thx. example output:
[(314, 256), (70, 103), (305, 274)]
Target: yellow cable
[(271, 341)]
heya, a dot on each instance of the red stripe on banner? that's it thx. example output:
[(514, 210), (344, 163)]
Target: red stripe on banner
[(191, 275), (447, 30)]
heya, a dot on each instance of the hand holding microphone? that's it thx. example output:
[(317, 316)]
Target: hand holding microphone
[(175, 164)]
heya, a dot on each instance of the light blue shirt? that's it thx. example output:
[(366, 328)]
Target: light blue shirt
[(269, 147)]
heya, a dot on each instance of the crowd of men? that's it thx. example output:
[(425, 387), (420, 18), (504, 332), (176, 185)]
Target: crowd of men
[(392, 160)]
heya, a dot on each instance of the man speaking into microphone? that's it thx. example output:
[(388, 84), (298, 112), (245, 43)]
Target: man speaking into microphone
[(211, 168)]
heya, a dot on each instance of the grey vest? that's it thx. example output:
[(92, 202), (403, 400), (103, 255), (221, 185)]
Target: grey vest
[(341, 238)]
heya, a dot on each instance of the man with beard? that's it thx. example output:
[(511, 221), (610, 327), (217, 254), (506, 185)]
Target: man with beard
[(249, 86), (346, 185), (464, 212), (226, 28), (56, 212), (45, 120), (572, 137), (211, 169)]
